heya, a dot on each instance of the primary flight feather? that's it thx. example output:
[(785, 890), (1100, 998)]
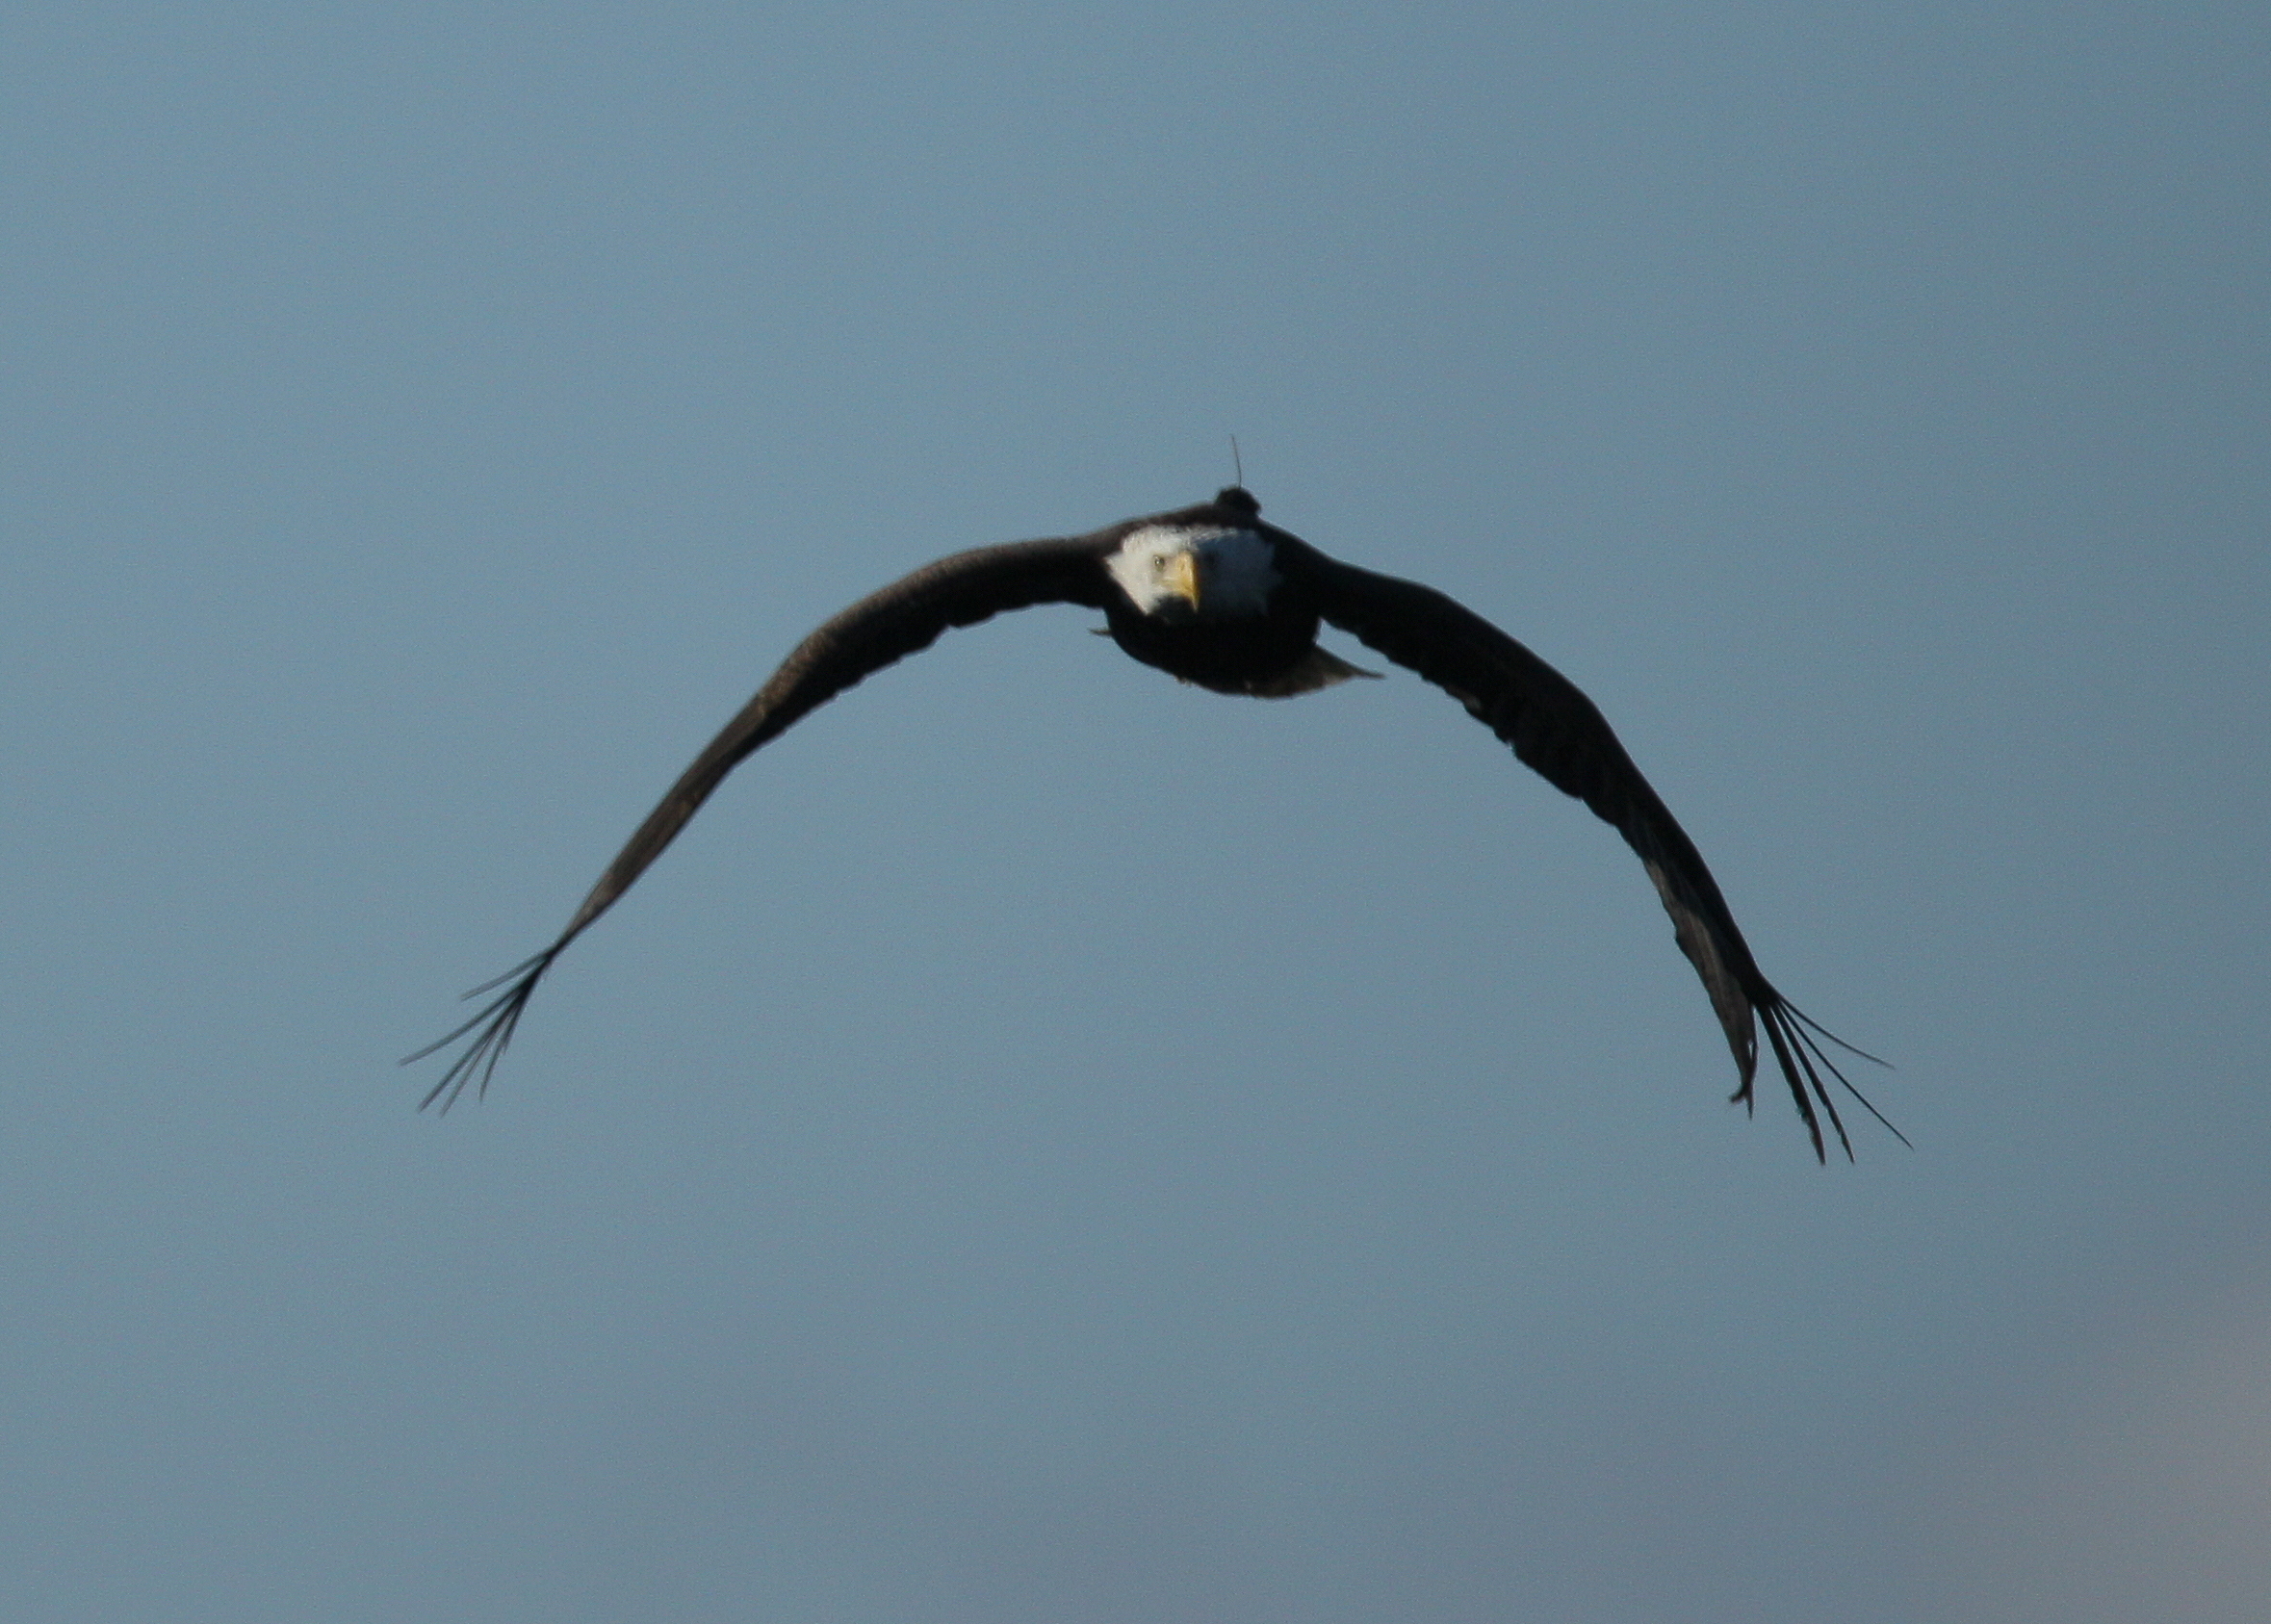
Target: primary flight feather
[(1216, 596)]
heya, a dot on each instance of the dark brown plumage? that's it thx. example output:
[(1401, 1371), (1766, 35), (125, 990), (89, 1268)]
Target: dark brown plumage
[(1217, 597)]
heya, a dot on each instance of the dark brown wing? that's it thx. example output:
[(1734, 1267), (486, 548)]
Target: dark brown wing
[(888, 625), (1557, 730)]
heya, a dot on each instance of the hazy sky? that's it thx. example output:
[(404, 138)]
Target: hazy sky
[(1048, 1143)]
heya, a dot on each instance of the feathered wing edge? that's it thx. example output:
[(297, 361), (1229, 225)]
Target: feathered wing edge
[(1555, 729), (881, 628), (496, 1019), (1706, 932)]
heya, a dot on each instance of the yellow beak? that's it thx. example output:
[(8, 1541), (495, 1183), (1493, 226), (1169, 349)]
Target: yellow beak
[(1180, 577)]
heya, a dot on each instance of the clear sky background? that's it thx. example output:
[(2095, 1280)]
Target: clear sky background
[(1049, 1143)]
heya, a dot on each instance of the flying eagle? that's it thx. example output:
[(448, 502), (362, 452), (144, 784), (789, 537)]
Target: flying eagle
[(1216, 596)]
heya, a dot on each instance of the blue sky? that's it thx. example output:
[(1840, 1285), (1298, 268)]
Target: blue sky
[(1049, 1144)]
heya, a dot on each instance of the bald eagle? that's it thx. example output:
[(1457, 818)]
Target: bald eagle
[(1217, 597)]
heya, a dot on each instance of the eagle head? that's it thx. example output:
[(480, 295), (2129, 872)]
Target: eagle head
[(1196, 572)]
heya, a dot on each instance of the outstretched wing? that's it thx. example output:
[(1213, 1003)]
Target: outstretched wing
[(875, 632), (1555, 729)]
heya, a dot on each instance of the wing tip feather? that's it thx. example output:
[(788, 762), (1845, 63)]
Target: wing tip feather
[(1796, 1041), (493, 1025)]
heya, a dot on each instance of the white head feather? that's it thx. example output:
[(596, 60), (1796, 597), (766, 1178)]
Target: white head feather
[(1233, 567)]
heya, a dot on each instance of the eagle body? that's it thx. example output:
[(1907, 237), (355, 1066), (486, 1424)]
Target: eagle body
[(1215, 596)]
